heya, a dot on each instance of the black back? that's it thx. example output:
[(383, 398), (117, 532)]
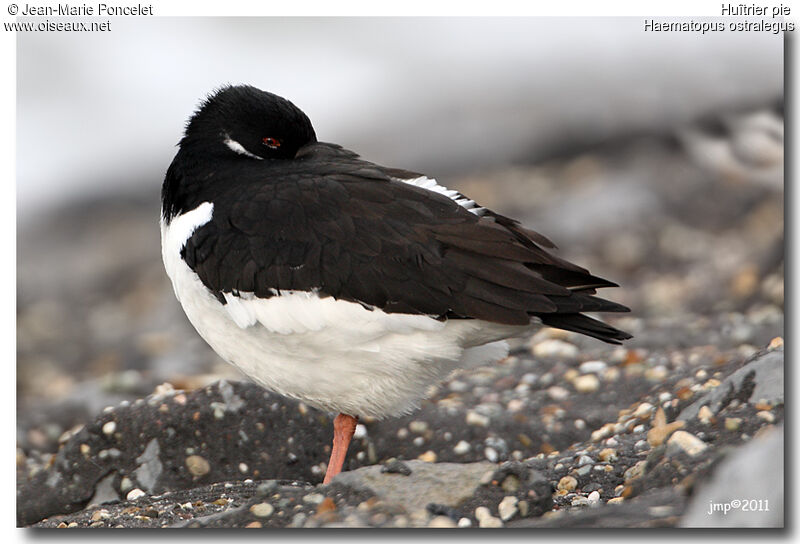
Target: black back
[(324, 220)]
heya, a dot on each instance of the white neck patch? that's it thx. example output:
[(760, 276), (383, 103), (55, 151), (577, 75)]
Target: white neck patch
[(237, 147)]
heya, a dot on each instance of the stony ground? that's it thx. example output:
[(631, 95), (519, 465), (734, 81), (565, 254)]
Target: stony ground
[(126, 419)]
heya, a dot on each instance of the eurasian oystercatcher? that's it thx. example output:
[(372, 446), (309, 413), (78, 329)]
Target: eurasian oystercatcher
[(347, 285)]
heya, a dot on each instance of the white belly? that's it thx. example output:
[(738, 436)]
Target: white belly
[(332, 354)]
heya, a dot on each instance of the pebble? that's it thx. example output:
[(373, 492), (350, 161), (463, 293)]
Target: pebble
[(580, 501), (298, 519), (616, 500), (661, 429), (253, 525), (607, 455), (584, 460), (314, 498), (579, 424), (557, 392), (465, 522), (262, 509), (101, 514), (197, 465), (555, 348), (587, 383), (486, 519), (594, 498), (125, 484), (360, 432), (134, 494), (396, 467), (491, 454), (418, 427), (507, 507), (418, 441), (635, 471), (641, 445), (442, 522), (687, 442), (567, 483), (462, 447), (733, 423), (590, 367), (705, 414), (611, 374), (656, 374), (603, 432), (769, 417), (265, 488), (643, 410), (477, 420), (510, 484), (109, 428), (515, 405), (429, 456), (584, 470)]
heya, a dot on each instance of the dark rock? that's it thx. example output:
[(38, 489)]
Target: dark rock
[(396, 467), (761, 379)]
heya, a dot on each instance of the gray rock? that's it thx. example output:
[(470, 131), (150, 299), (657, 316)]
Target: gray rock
[(765, 371), (752, 475), (150, 466), (441, 483)]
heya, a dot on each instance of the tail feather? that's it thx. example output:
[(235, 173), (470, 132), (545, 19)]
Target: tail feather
[(585, 325)]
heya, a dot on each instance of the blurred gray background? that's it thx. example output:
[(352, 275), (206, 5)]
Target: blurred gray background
[(655, 159), (100, 112)]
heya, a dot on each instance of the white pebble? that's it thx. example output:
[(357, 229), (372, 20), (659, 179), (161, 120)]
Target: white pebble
[(557, 392), (643, 409), (360, 432), (594, 497), (418, 427), (590, 367), (491, 454), (507, 507), (125, 484), (686, 442), (462, 447), (555, 348), (262, 510), (109, 428), (465, 522), (134, 494), (314, 498), (477, 420), (482, 512)]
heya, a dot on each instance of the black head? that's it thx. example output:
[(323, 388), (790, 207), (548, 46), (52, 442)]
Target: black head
[(248, 123)]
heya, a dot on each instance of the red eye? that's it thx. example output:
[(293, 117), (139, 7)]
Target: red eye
[(272, 143)]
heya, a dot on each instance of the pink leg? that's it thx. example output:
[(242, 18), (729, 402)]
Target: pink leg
[(343, 428)]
